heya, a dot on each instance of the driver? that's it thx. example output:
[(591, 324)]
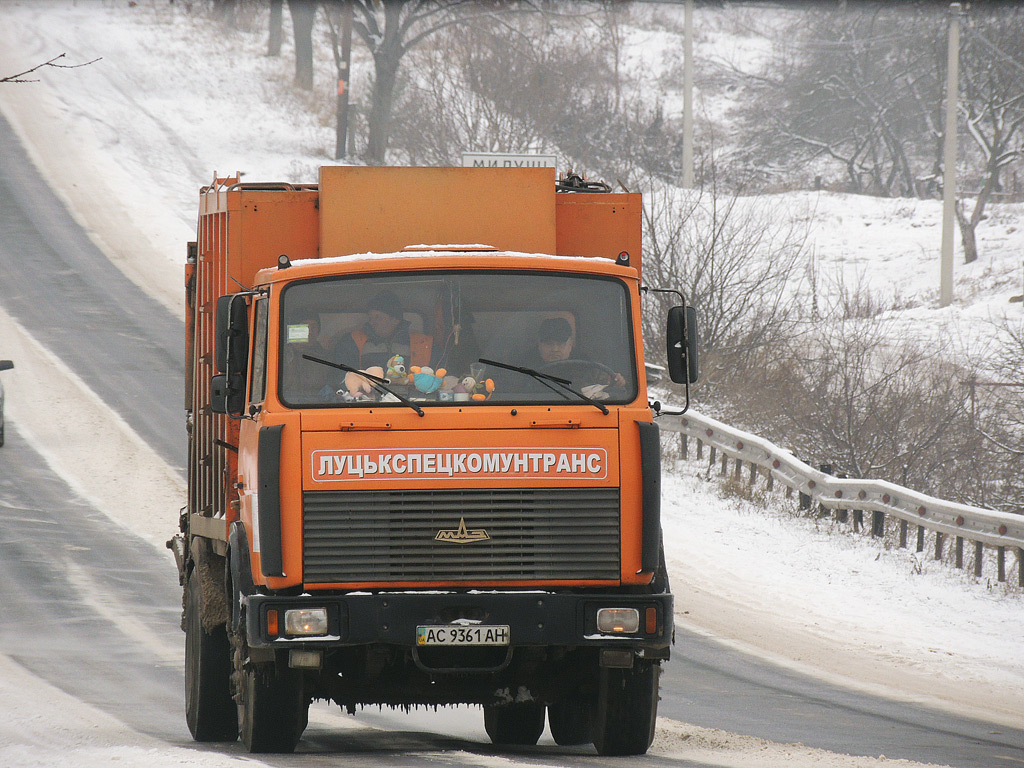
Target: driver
[(554, 344), (554, 341)]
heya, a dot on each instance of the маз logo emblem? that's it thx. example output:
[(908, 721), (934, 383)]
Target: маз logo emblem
[(462, 535)]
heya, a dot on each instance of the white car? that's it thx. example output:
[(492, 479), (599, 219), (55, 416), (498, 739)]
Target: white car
[(4, 366)]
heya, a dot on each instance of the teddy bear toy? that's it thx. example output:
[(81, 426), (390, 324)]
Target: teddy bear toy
[(396, 369), (425, 379)]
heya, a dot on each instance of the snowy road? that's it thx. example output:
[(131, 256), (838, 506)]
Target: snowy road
[(108, 637)]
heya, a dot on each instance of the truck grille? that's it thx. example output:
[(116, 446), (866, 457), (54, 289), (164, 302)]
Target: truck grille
[(532, 534)]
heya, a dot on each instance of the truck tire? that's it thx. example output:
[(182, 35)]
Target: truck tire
[(519, 724), (209, 708), (272, 708), (570, 721), (627, 707)]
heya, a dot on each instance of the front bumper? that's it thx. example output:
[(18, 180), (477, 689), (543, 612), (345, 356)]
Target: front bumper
[(534, 618)]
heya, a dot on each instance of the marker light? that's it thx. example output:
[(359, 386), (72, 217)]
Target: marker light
[(618, 620), (272, 623), (305, 621), (651, 620)]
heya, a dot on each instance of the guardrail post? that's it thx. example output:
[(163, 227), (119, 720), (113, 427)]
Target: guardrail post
[(805, 501), (739, 469), (878, 524), (840, 513), (1020, 567), (711, 456), (938, 545), (920, 538), (959, 551), (753, 473), (770, 481), (700, 448), (1001, 563), (725, 464), (979, 551), (903, 534), (683, 447)]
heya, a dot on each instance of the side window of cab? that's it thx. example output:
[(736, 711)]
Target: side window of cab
[(258, 374)]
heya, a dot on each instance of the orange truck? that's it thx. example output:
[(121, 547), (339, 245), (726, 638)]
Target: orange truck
[(423, 469)]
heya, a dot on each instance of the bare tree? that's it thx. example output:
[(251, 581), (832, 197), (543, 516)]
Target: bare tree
[(845, 87), (390, 29), (736, 260), (997, 410), (303, 14), (274, 37), (873, 408), (992, 78), (441, 115)]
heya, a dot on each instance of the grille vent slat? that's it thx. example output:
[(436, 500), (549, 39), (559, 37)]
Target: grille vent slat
[(535, 534)]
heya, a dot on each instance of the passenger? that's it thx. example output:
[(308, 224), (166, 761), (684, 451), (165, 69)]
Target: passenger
[(385, 334)]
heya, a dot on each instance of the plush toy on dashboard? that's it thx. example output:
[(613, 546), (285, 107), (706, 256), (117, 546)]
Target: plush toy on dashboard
[(425, 379), (396, 369), (471, 388)]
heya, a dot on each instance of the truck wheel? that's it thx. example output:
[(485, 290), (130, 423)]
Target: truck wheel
[(272, 708), (518, 724), (627, 707), (570, 722), (209, 708)]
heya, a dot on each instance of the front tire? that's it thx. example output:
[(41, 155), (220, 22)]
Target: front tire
[(518, 724), (209, 708), (627, 708), (570, 721), (272, 708)]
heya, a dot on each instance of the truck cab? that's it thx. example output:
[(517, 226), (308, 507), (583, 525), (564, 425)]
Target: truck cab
[(427, 474)]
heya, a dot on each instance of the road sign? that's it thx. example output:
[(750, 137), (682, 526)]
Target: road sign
[(506, 160)]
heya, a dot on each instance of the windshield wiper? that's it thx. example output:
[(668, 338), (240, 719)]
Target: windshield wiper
[(545, 378), (376, 381)]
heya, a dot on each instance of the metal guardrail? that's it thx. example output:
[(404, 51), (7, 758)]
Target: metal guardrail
[(1001, 530)]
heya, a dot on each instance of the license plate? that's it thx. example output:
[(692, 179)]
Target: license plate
[(459, 635)]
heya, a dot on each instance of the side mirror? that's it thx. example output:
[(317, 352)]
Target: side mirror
[(224, 398), (232, 341), (681, 341), (231, 355), (6, 365)]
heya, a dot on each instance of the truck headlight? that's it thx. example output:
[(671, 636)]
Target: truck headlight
[(618, 621), (305, 622)]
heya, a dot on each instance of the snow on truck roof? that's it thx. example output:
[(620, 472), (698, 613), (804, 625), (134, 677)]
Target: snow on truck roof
[(475, 254)]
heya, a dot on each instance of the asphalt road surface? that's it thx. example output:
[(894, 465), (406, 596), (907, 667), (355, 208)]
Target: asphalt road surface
[(97, 614)]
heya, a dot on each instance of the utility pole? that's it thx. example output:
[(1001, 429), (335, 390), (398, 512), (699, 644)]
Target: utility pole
[(949, 157), (340, 147), (688, 96)]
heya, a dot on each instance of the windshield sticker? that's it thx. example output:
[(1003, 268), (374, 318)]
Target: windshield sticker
[(463, 463), (298, 333)]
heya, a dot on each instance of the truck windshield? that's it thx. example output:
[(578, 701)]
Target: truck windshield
[(427, 334)]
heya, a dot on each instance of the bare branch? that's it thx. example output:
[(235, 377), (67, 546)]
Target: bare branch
[(18, 77)]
